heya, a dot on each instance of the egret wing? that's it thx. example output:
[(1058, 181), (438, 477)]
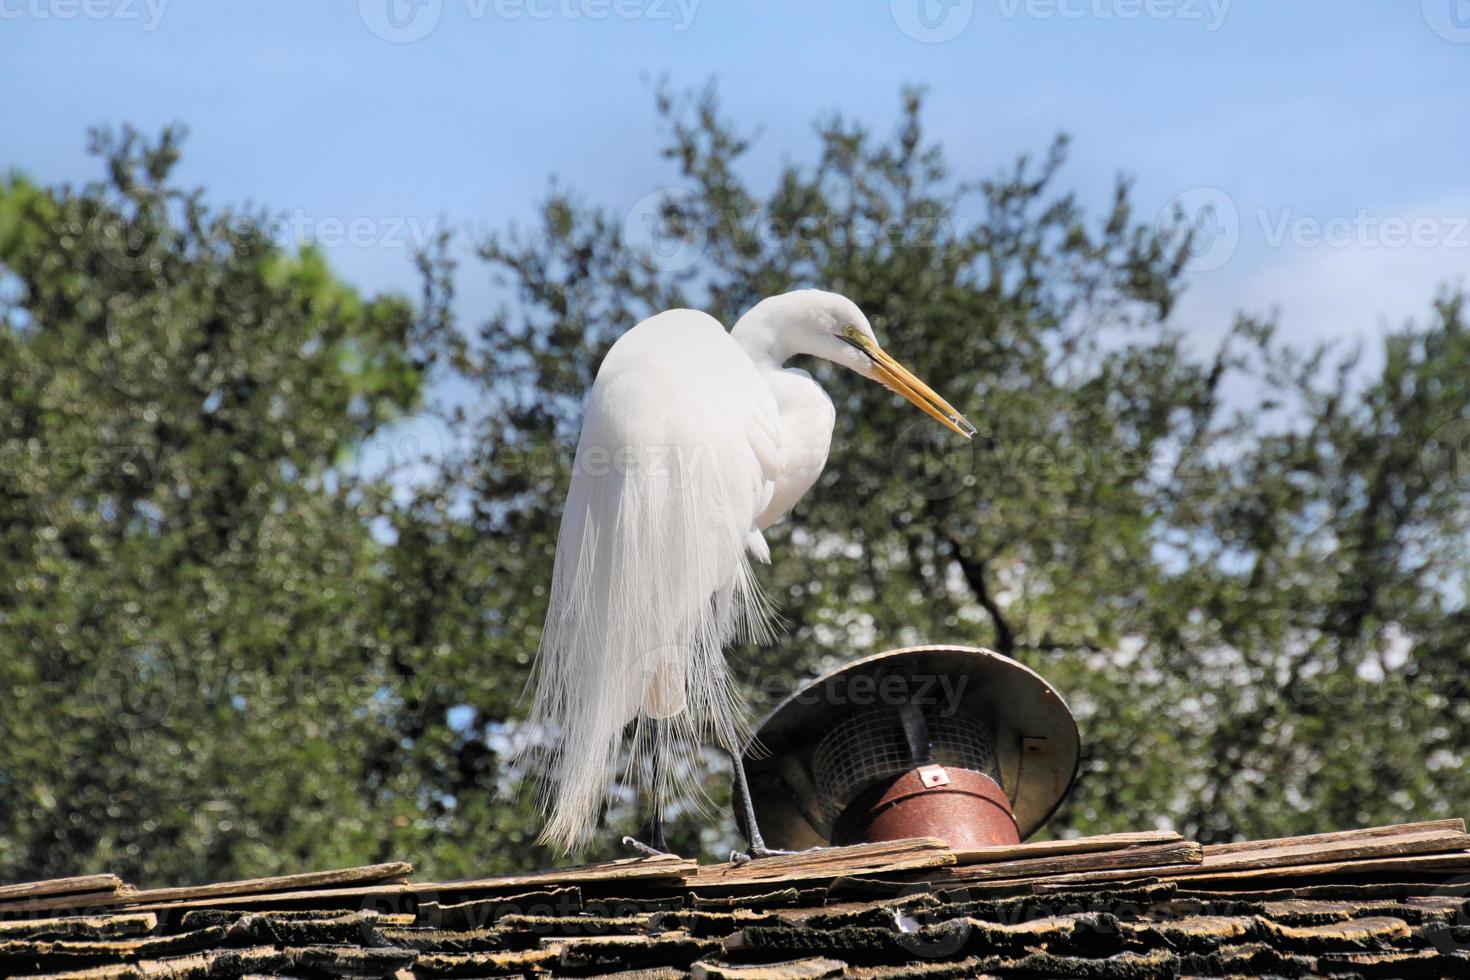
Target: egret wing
[(652, 580)]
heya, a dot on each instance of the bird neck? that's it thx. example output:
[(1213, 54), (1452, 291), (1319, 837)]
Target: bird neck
[(763, 338)]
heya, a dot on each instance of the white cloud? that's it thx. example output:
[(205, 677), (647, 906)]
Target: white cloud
[(1348, 276)]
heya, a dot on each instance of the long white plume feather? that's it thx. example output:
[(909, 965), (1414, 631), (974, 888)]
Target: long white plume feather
[(652, 579)]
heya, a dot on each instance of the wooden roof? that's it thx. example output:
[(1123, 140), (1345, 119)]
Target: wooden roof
[(1386, 901)]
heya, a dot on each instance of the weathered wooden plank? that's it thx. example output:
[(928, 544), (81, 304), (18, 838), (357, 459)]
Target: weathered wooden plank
[(1182, 854), (79, 926), (812, 968), (74, 950), (1283, 876), (669, 948), (1456, 861), (1397, 963), (394, 871), (1455, 826), (634, 869), (1430, 842), (1075, 845), (1281, 859), (627, 869), (220, 962), (833, 915), (154, 898), (322, 898), (477, 913), (352, 960), (778, 898), (266, 891), (60, 886), (82, 900), (520, 962), (825, 863)]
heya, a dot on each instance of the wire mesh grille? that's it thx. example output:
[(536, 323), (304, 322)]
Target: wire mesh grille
[(872, 746)]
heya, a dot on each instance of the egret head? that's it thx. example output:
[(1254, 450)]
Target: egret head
[(830, 326)]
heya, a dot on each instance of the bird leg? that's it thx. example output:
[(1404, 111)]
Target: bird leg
[(657, 846), (758, 848), (646, 850)]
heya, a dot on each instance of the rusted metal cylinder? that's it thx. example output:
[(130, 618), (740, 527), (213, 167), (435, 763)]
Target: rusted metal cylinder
[(964, 809)]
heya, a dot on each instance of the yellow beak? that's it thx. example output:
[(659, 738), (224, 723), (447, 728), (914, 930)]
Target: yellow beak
[(900, 379)]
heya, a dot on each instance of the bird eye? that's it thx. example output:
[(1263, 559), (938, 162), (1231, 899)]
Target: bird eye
[(853, 337)]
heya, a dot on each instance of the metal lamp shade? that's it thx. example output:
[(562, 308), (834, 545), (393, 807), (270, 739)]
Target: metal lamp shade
[(840, 738)]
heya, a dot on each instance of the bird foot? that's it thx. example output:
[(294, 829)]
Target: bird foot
[(644, 849), (760, 851)]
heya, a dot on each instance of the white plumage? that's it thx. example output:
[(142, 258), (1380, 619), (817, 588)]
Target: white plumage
[(695, 440)]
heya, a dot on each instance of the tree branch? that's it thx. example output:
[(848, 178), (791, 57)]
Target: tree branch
[(974, 572)]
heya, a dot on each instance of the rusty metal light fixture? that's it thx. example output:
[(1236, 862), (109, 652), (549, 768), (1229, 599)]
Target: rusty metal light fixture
[(953, 742)]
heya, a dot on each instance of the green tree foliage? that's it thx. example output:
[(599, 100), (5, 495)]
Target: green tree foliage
[(230, 649), (199, 678), (1255, 603)]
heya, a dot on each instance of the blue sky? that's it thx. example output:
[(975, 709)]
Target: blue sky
[(1331, 138)]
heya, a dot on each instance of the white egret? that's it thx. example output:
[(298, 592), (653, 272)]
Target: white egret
[(695, 440)]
